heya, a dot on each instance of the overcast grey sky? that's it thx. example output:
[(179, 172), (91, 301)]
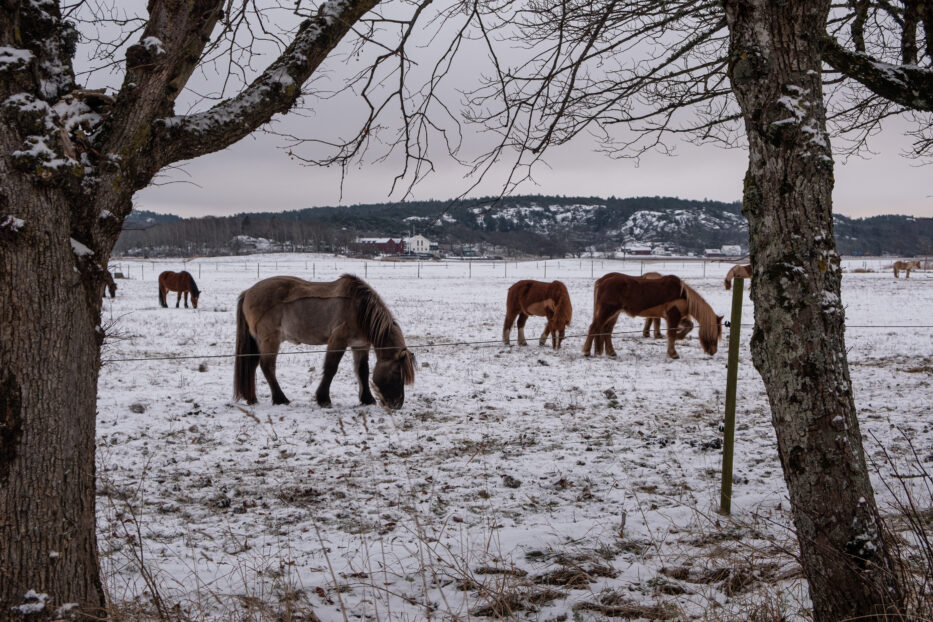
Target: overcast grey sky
[(257, 175)]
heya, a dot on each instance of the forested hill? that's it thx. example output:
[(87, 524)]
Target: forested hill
[(538, 225)]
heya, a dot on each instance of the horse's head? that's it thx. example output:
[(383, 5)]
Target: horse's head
[(711, 345), (194, 299), (391, 374)]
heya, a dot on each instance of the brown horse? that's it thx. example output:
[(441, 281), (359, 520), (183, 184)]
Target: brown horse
[(683, 329), (906, 266), (180, 282), (109, 285), (342, 313), (551, 300), (738, 270), (667, 296)]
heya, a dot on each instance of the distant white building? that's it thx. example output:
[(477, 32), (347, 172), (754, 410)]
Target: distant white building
[(725, 251), (420, 245)]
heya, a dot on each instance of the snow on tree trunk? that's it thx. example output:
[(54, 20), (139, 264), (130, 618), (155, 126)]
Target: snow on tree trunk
[(798, 344)]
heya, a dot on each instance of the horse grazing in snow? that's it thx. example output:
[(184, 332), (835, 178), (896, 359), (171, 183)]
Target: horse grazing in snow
[(741, 271), (342, 313), (667, 297), (551, 300), (180, 282), (907, 266)]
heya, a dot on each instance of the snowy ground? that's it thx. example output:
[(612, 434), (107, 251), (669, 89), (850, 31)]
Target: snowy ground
[(515, 481)]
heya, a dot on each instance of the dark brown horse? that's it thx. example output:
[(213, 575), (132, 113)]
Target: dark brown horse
[(551, 300), (180, 282), (668, 297), (683, 329), (738, 270), (109, 284), (342, 313)]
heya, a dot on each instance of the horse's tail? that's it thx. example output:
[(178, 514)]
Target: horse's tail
[(699, 309), (247, 358), (162, 294)]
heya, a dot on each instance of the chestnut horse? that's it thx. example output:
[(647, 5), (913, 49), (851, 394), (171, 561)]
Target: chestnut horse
[(180, 282), (342, 313), (667, 296), (683, 329), (741, 271), (907, 266), (551, 300)]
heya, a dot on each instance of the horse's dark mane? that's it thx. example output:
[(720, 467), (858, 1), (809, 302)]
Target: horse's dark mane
[(194, 286), (373, 315)]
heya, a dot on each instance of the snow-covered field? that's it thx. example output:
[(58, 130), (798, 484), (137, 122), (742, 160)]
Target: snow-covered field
[(515, 481)]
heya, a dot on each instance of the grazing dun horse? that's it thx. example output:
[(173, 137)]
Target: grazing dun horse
[(181, 282), (741, 271), (667, 297), (683, 329), (342, 313), (907, 266), (551, 300)]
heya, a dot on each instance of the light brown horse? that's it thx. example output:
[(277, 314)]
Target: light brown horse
[(551, 300), (683, 329), (342, 313), (907, 266), (744, 272), (667, 296), (180, 282)]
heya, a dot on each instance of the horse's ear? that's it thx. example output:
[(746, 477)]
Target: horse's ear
[(719, 318)]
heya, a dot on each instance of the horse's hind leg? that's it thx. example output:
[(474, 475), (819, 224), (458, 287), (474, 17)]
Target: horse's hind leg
[(361, 365), (522, 318), (186, 299), (646, 331), (335, 349), (268, 351), (657, 328)]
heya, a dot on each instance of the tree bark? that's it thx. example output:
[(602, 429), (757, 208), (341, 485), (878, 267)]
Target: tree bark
[(798, 344), (49, 362)]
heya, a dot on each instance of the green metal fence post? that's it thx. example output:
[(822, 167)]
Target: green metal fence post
[(728, 442)]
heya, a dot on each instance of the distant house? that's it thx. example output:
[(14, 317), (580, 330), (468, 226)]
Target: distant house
[(377, 246), (636, 249), (420, 245)]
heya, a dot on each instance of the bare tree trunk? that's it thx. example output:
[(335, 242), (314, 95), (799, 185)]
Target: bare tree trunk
[(798, 344), (49, 362)]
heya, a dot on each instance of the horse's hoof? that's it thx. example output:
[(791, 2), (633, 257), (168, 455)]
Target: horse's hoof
[(673, 356), (367, 400), (324, 403), (283, 401), (612, 355)]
